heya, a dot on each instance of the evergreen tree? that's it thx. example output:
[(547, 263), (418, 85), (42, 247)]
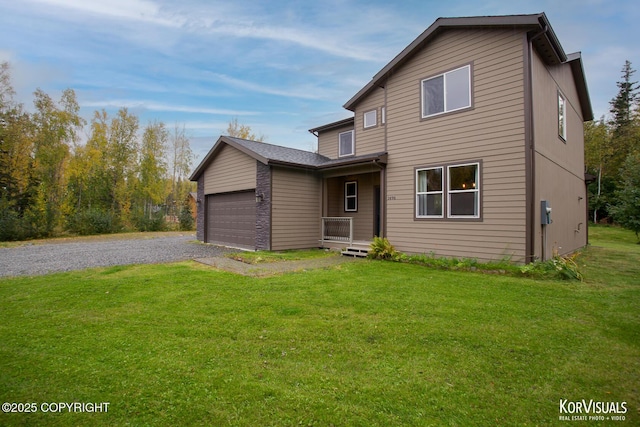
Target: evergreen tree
[(625, 132), (626, 212)]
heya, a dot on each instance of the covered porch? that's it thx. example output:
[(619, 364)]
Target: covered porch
[(352, 207)]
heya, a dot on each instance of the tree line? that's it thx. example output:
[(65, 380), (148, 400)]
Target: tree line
[(122, 177), (612, 157)]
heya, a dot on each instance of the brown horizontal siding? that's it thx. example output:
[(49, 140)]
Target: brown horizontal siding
[(295, 209), (231, 170), (328, 141), (558, 161), (370, 140), (492, 133)]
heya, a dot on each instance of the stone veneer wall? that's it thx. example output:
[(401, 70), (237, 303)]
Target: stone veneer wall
[(263, 208), (200, 208)]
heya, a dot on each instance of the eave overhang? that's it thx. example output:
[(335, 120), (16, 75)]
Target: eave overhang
[(545, 41)]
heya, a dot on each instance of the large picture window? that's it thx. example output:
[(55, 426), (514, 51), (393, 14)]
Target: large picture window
[(345, 144), (451, 194), (447, 92)]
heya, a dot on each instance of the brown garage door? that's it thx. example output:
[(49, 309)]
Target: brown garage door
[(231, 219)]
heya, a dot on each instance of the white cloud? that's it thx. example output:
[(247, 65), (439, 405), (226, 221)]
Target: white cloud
[(299, 92), (157, 106), (139, 10), (222, 20)]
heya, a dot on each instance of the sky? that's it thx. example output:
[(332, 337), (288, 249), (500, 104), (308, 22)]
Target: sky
[(280, 67)]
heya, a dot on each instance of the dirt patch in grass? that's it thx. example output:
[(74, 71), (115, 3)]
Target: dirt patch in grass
[(267, 257), (268, 268)]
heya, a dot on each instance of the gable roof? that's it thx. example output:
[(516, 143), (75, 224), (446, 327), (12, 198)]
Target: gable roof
[(545, 41), (270, 154)]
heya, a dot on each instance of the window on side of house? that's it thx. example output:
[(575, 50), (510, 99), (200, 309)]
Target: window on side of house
[(370, 119), (351, 196), (450, 91), (383, 115), (345, 144), (562, 117), (429, 202), (464, 191), (454, 194)]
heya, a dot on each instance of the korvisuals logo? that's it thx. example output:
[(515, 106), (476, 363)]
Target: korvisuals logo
[(591, 410)]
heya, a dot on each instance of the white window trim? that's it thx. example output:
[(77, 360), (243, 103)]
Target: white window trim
[(562, 116), (419, 193), (446, 192), (369, 123), (347, 197), (473, 190), (424, 116), (340, 154), (383, 115)]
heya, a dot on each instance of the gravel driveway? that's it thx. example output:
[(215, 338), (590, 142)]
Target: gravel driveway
[(77, 255)]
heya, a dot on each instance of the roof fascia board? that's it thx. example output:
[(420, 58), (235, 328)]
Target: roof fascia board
[(533, 21), (577, 68), (379, 157), (245, 150), (205, 162), (333, 125), (222, 140)]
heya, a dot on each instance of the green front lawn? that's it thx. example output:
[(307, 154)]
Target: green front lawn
[(366, 343)]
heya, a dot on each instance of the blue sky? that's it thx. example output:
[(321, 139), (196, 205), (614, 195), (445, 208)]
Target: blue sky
[(281, 67)]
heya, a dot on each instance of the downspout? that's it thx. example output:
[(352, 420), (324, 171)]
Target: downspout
[(383, 197), (530, 150)]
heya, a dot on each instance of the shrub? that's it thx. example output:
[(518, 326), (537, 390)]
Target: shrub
[(154, 223), (93, 221), (561, 267), (12, 226), (186, 219), (381, 248)]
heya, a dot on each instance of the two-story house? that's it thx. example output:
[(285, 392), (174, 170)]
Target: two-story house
[(469, 143)]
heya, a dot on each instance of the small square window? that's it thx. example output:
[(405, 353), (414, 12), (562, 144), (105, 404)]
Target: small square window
[(351, 196), (345, 142), (370, 119)]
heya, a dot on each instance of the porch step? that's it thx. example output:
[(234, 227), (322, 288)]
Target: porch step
[(356, 252)]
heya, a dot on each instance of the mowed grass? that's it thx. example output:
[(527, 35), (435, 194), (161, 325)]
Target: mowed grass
[(367, 343)]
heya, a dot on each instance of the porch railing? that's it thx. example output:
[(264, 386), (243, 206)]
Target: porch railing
[(337, 229)]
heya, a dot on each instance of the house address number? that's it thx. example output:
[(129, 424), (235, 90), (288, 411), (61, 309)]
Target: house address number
[(391, 197)]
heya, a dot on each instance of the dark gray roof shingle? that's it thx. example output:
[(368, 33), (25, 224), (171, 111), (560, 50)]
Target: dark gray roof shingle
[(270, 154), (276, 153)]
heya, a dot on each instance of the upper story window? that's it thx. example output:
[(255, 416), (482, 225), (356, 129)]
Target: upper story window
[(562, 117), (447, 92), (345, 144), (370, 119)]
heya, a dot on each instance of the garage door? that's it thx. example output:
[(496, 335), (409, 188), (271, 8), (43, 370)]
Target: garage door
[(231, 219)]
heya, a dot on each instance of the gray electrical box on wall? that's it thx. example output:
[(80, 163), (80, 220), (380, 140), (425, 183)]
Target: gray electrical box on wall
[(545, 212)]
